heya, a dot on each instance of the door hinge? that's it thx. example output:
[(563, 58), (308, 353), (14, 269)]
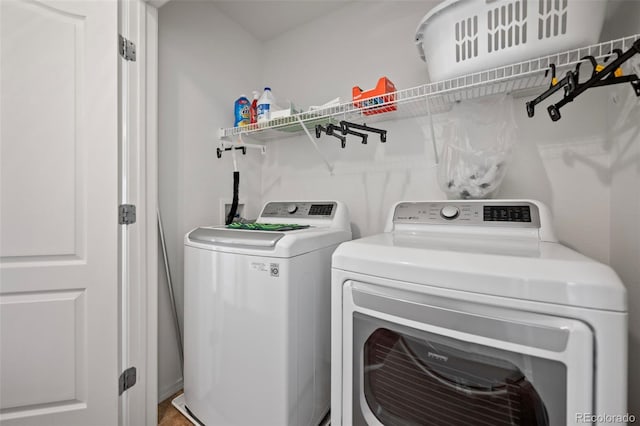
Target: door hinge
[(127, 49), (127, 379), (126, 214)]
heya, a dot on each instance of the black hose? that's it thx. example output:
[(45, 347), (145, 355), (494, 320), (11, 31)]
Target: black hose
[(234, 203)]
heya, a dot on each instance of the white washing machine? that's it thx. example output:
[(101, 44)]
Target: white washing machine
[(472, 313), (257, 317)]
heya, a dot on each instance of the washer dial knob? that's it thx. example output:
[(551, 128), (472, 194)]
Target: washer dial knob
[(449, 212), (292, 208)]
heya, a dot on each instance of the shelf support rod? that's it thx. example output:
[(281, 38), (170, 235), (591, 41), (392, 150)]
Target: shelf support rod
[(315, 145)]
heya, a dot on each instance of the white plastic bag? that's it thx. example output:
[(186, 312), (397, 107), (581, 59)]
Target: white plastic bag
[(477, 144)]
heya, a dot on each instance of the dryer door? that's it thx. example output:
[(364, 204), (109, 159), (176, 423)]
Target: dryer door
[(417, 359)]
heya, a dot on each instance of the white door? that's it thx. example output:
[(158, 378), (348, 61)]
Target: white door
[(58, 221)]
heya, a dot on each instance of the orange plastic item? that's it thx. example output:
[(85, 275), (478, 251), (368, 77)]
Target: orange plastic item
[(377, 100)]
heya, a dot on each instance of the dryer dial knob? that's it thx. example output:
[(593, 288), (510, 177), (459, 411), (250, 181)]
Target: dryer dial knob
[(449, 212), (292, 208)]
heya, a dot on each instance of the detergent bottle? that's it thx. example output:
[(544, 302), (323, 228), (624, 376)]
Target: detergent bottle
[(241, 109), (253, 111), (264, 105)]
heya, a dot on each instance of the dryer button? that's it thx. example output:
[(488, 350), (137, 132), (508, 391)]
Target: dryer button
[(449, 212)]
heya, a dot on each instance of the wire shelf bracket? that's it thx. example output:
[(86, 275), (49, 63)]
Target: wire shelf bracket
[(226, 145), (315, 145)]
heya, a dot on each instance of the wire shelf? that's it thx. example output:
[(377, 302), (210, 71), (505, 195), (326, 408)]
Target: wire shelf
[(432, 97)]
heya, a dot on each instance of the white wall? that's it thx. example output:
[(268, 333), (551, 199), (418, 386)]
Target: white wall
[(205, 62), (585, 167), (355, 45), (553, 162), (624, 145)]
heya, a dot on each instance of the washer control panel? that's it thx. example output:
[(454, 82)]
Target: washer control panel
[(295, 209), (477, 213)]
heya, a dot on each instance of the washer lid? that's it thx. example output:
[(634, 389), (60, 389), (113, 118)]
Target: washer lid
[(265, 243), (515, 268), (235, 238)]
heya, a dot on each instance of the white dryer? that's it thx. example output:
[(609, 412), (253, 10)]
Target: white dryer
[(471, 312), (257, 316)]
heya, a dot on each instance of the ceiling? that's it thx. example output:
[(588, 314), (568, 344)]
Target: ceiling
[(267, 19)]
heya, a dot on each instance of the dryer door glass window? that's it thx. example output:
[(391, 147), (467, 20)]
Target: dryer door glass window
[(412, 377)]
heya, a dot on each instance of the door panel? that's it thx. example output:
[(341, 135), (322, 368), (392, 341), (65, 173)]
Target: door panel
[(41, 102), (49, 324), (58, 198)]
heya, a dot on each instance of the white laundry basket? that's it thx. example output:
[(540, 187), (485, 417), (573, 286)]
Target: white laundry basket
[(460, 37)]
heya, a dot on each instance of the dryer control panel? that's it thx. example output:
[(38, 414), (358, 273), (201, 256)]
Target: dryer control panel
[(478, 213)]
